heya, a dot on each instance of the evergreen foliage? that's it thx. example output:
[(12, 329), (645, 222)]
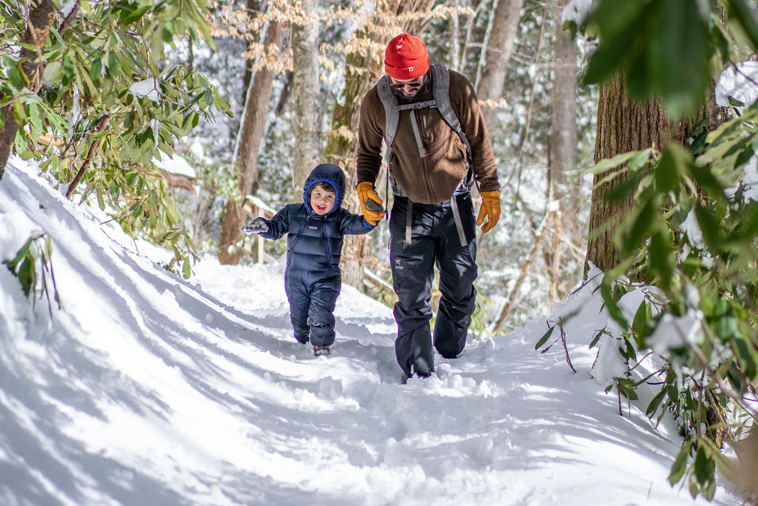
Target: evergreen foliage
[(692, 234), (32, 265), (110, 103)]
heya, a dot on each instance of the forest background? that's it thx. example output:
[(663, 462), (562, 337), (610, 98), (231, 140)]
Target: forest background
[(311, 116), (277, 91), (642, 175)]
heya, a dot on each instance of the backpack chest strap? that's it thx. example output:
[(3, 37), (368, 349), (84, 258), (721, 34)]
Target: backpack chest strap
[(414, 123), (417, 105)]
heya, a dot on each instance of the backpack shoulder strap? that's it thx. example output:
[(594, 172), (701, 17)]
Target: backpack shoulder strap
[(391, 119), (441, 93), (441, 90), (391, 110)]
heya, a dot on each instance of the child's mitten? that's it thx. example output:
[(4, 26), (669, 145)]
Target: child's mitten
[(258, 226)]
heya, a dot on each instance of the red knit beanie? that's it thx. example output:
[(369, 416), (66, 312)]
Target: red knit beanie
[(406, 58)]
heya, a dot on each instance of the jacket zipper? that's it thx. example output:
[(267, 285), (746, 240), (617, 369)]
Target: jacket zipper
[(422, 113), (327, 246)]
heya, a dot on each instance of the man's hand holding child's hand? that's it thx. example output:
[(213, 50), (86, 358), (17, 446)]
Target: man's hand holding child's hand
[(371, 204), (258, 226)]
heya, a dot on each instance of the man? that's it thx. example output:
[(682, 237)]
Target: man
[(432, 220)]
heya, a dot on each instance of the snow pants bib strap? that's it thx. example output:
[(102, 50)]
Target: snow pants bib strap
[(409, 222), (456, 217), (458, 222)]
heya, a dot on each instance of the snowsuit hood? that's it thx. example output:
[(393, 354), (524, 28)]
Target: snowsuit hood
[(328, 173)]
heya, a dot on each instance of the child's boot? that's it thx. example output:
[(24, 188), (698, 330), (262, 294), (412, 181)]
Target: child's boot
[(321, 351)]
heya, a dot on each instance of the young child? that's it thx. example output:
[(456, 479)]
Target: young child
[(312, 278)]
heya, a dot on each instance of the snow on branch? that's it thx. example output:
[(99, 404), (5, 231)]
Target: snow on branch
[(576, 11), (500, 103), (148, 88)]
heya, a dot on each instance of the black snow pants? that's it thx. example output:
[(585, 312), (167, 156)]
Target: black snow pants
[(312, 307), (434, 240)]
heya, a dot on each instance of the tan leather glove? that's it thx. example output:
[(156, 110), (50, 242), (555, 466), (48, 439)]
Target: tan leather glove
[(491, 209), (374, 212)]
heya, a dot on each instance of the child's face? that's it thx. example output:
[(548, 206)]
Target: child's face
[(322, 200)]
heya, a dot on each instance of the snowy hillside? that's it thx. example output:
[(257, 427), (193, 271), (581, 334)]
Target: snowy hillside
[(146, 389)]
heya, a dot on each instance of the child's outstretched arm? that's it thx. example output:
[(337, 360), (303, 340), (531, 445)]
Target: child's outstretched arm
[(274, 228)]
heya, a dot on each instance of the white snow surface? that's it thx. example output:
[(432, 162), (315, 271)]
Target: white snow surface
[(741, 82), (147, 389), (691, 227), (66, 7), (750, 181), (738, 82), (676, 332)]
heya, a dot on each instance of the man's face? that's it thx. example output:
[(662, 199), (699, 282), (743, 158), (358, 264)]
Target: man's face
[(322, 200), (410, 87)]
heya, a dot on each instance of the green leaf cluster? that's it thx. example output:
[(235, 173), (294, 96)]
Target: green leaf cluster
[(668, 48), (711, 271), (32, 265), (89, 69), (694, 229)]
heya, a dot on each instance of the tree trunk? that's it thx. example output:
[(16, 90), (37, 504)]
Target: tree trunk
[(563, 139), (563, 147), (305, 88), (623, 125), (253, 6), (341, 150), (253, 127), (41, 19), (454, 29), (497, 54), (285, 95)]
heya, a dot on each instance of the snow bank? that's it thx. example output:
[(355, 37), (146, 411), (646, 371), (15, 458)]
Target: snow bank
[(149, 389)]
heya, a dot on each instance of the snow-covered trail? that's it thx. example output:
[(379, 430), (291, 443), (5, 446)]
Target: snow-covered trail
[(146, 389)]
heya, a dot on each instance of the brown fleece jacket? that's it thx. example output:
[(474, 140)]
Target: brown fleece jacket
[(432, 179)]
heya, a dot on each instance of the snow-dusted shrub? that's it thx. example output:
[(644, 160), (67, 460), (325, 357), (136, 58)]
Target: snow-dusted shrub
[(693, 231), (693, 236), (33, 266), (106, 103)]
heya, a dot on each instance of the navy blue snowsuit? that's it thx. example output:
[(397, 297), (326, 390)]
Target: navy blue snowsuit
[(312, 279)]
